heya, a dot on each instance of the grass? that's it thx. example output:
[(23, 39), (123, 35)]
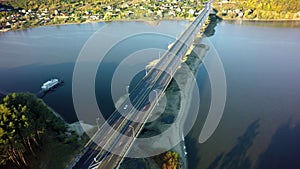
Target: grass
[(54, 154)]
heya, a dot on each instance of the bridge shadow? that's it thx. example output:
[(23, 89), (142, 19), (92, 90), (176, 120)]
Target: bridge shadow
[(210, 29), (216, 162), (284, 150), (192, 146), (237, 157)]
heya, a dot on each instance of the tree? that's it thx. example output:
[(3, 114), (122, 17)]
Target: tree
[(12, 147), (170, 160), (23, 120)]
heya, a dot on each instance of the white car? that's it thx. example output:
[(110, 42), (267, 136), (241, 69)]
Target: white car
[(125, 107)]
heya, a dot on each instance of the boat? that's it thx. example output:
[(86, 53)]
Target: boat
[(50, 84)]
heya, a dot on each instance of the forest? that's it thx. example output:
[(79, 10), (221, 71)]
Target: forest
[(26, 125), (259, 9), (265, 5)]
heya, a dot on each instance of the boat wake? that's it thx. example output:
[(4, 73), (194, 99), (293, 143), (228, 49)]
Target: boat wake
[(42, 93)]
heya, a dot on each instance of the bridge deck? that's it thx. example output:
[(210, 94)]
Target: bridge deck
[(122, 128)]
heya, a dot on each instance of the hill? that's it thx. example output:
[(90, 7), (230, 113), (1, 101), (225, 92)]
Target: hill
[(258, 9)]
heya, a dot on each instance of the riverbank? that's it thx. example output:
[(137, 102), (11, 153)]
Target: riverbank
[(18, 15), (257, 19), (78, 127), (291, 23), (258, 10), (151, 21), (262, 20)]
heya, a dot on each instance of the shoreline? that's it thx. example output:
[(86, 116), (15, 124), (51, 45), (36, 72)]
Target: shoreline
[(97, 21), (260, 20), (147, 20), (79, 127)]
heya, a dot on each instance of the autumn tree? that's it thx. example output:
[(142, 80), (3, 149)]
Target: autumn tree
[(170, 160)]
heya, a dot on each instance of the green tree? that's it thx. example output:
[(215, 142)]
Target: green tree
[(12, 146), (23, 120)]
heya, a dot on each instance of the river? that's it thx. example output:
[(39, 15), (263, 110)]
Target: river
[(31, 57), (261, 121), (260, 126)]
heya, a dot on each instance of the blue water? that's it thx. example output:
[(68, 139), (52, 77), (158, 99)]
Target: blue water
[(260, 125), (259, 128), (30, 57)]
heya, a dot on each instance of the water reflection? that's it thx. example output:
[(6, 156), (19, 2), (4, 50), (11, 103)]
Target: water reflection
[(32, 56), (273, 24), (216, 162), (237, 157), (283, 150), (262, 70)]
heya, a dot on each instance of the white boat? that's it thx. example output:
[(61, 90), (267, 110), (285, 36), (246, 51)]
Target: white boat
[(50, 84)]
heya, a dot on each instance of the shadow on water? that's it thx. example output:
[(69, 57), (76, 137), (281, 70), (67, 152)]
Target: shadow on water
[(2, 95), (210, 29), (236, 158), (216, 162), (203, 82), (284, 150), (193, 155)]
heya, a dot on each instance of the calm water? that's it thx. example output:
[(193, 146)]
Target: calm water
[(261, 123), (30, 57), (260, 127)]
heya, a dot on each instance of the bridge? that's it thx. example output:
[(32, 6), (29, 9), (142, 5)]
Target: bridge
[(124, 125)]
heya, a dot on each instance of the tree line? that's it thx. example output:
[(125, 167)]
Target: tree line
[(24, 121), (34, 4), (261, 9)]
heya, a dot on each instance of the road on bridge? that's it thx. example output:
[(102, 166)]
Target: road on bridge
[(114, 139)]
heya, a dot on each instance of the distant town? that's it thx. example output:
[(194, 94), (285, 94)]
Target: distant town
[(31, 13), (82, 11)]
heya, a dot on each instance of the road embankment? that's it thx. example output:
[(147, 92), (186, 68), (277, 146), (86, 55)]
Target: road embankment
[(173, 106)]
